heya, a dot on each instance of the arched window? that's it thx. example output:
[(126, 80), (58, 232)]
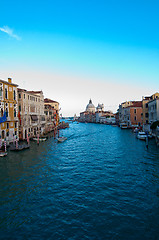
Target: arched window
[(15, 114)]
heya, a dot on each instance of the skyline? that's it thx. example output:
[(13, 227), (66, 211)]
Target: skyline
[(108, 52)]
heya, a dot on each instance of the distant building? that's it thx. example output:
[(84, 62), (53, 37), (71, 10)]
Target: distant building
[(90, 107), (96, 115)]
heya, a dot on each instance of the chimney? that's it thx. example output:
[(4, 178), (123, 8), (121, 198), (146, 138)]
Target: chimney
[(9, 80)]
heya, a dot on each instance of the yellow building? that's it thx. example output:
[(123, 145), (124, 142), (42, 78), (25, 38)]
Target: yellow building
[(8, 111)]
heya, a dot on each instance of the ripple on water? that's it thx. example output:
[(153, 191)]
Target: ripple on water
[(101, 183)]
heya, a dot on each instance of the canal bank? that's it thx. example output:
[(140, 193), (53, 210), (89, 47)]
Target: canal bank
[(102, 183)]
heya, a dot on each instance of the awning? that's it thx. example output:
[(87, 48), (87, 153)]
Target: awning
[(34, 118)]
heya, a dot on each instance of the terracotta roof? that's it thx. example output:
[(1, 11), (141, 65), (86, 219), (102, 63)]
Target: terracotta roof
[(136, 104), (34, 92), (20, 89), (47, 100)]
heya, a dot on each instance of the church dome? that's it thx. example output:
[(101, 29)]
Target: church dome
[(90, 107)]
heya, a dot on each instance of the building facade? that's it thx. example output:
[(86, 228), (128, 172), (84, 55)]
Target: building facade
[(153, 110), (55, 106), (8, 111), (31, 113), (145, 101), (50, 117)]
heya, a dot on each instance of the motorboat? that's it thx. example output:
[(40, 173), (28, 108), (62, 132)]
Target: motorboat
[(40, 139), (61, 139), (142, 135), (123, 126)]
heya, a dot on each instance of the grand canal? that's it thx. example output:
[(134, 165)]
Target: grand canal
[(102, 183)]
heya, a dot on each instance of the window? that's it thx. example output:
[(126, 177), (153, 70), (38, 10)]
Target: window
[(15, 133), (146, 115), (24, 95), (6, 93), (1, 112), (15, 125), (6, 112), (146, 106), (7, 125), (135, 118), (20, 108), (7, 134), (3, 134), (1, 90), (28, 97), (15, 114), (14, 95), (19, 95), (134, 110)]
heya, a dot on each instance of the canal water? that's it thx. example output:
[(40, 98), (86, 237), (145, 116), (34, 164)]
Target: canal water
[(102, 183)]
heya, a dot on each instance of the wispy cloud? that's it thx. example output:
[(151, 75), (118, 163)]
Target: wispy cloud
[(9, 31)]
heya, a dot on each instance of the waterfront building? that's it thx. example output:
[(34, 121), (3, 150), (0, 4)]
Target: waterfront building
[(31, 113), (100, 108), (50, 117), (130, 114), (55, 106), (153, 110), (90, 107), (134, 114), (96, 115), (8, 111), (123, 112), (145, 101)]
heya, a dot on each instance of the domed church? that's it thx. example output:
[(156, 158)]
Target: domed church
[(90, 107)]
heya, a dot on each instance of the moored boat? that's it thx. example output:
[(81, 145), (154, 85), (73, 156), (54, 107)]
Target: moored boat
[(40, 139), (142, 136), (61, 139), (123, 126), (3, 153)]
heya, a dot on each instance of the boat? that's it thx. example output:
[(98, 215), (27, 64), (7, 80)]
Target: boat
[(157, 140), (3, 153), (142, 135), (123, 126), (61, 139), (136, 130), (40, 139)]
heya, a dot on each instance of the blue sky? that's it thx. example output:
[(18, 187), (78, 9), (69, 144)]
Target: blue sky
[(72, 49)]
